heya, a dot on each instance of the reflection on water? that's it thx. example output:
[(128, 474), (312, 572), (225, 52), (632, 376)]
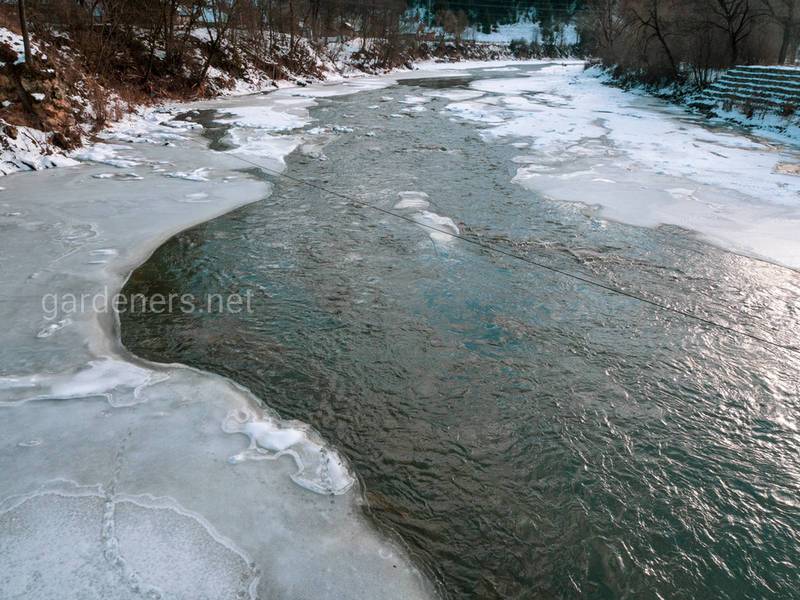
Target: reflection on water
[(527, 436)]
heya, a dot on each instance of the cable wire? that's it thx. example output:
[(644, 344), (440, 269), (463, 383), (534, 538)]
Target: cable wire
[(496, 249)]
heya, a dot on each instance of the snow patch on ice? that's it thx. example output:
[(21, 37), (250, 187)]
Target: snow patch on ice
[(107, 154), (411, 99), (119, 176), (319, 469), (417, 200), (119, 382), (269, 117), (199, 174), (455, 95)]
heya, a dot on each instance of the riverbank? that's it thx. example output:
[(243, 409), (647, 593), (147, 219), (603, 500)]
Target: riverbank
[(643, 161), (57, 103), (780, 125)]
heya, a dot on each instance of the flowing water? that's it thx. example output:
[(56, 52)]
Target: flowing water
[(525, 434)]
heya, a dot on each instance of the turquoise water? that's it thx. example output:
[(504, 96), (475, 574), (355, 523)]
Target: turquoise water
[(526, 435)]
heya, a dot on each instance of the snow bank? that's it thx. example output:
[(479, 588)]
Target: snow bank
[(29, 149), (642, 161), (17, 45)]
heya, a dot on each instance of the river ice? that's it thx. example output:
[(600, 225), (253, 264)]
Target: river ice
[(642, 161)]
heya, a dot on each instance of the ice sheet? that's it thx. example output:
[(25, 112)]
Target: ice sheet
[(623, 153)]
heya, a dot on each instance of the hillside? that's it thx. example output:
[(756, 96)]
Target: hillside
[(79, 80)]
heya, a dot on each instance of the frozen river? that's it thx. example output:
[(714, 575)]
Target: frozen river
[(515, 432)]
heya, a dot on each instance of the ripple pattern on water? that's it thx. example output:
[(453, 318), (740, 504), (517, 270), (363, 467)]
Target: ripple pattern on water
[(526, 435)]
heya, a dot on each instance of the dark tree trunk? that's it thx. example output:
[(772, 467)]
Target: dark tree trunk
[(786, 39), (23, 24)]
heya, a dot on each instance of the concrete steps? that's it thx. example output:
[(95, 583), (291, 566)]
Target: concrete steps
[(757, 88)]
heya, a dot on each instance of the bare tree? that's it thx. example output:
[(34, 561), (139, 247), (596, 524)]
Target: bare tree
[(651, 18), (785, 14), (218, 19), (736, 18), (603, 22)]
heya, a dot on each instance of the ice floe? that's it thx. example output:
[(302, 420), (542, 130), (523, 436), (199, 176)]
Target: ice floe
[(440, 229), (416, 200)]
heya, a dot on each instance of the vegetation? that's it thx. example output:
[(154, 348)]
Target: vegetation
[(100, 57), (688, 41)]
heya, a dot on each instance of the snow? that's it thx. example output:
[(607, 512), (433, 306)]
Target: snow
[(107, 154), (265, 128), (29, 150), (767, 124), (642, 161), (411, 99), (455, 95), (418, 200), (524, 29), (15, 41), (199, 174)]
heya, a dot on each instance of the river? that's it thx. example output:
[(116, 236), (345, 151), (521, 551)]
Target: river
[(525, 434)]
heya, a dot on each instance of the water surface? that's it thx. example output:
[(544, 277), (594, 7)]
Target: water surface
[(526, 435)]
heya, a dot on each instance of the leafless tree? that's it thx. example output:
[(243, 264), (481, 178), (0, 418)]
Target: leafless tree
[(652, 20), (603, 22), (736, 18), (785, 14)]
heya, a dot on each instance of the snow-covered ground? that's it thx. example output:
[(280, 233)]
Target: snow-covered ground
[(524, 29), (14, 40), (29, 149), (642, 161)]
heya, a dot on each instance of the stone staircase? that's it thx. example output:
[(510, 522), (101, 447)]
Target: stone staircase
[(757, 89)]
